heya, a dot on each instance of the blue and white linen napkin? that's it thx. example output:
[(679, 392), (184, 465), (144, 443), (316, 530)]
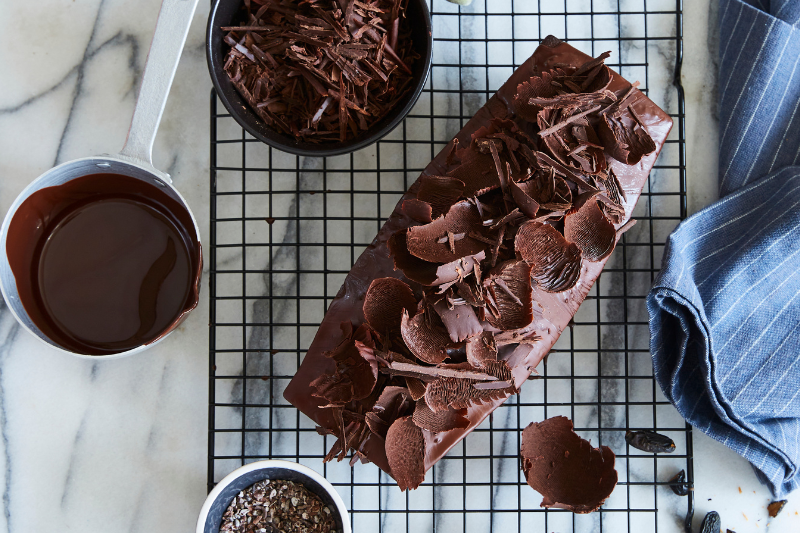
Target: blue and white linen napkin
[(725, 309)]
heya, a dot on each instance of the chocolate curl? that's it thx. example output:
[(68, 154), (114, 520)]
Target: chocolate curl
[(555, 262), (564, 468), (591, 231), (424, 241), (441, 421), (385, 302), (405, 451), (425, 336)]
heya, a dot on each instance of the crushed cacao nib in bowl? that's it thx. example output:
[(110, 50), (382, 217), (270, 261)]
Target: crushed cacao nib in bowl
[(269, 496), (319, 77)]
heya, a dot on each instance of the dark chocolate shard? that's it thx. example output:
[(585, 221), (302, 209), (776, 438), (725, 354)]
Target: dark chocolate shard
[(523, 198), (425, 242), (509, 295), (384, 303), (441, 421), (536, 87), (405, 451), (476, 171), (481, 348), (416, 388), (549, 190), (393, 403), (555, 262), (418, 211), (622, 131), (460, 320), (355, 376), (564, 468), (441, 192), (425, 336), (591, 231), (426, 272)]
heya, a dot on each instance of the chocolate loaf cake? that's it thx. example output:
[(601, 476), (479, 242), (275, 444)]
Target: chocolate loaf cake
[(482, 264)]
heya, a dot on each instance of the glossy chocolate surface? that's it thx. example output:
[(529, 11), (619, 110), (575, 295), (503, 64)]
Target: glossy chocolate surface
[(104, 263), (557, 308)]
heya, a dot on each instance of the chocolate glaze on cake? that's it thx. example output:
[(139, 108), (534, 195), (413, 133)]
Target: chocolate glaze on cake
[(556, 308)]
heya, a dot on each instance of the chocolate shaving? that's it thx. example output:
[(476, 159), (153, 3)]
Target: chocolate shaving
[(425, 336), (405, 450), (511, 304), (291, 63), (423, 241), (418, 211), (591, 231), (385, 302), (416, 388), (461, 321), (355, 375), (481, 348), (393, 403), (441, 421), (564, 468), (441, 192), (555, 262)]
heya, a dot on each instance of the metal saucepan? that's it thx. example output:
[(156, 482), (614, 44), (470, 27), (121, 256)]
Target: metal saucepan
[(135, 159)]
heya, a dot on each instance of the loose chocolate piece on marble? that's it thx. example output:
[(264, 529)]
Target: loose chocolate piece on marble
[(678, 484), (564, 468), (650, 441)]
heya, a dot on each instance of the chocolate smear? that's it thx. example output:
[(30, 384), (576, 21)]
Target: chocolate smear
[(385, 302), (555, 262), (405, 451), (564, 468)]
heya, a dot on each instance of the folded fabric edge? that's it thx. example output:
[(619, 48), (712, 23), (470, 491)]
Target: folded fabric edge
[(776, 470)]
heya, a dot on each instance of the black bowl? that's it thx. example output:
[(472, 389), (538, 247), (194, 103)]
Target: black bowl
[(225, 12)]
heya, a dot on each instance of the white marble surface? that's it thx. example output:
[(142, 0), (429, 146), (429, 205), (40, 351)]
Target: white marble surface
[(121, 445)]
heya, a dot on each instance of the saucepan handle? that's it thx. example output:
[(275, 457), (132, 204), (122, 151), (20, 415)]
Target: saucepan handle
[(172, 27)]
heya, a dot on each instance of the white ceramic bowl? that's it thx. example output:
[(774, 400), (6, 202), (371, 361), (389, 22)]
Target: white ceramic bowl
[(220, 498)]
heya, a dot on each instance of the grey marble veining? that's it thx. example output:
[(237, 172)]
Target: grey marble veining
[(121, 446)]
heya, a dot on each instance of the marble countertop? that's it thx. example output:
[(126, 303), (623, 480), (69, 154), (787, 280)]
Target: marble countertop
[(121, 445)]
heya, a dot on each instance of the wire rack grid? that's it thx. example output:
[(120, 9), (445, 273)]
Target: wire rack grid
[(285, 231)]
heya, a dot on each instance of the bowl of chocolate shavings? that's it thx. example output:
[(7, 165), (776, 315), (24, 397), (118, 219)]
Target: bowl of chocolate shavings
[(319, 77), (273, 495)]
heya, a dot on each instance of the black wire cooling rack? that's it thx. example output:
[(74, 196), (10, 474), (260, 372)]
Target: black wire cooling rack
[(285, 231)]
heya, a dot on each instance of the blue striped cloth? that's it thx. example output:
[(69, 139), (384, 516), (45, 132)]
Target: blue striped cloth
[(725, 309)]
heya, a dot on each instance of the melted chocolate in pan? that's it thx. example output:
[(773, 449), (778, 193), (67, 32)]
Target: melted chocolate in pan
[(104, 263)]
